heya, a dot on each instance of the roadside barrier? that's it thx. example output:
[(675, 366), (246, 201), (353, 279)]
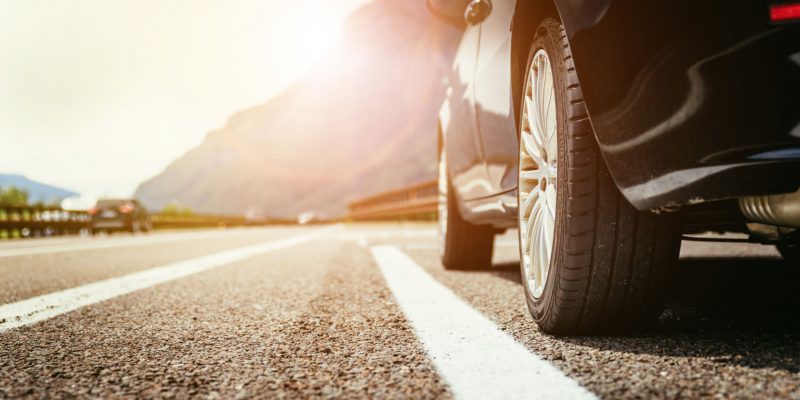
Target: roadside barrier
[(415, 202), (21, 222), (192, 221), (31, 222)]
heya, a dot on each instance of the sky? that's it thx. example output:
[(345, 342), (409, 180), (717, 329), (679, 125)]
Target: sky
[(97, 96)]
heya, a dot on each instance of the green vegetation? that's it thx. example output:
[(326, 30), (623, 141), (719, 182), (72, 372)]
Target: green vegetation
[(176, 209), (13, 197)]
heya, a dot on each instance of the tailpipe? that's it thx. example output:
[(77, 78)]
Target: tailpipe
[(778, 209)]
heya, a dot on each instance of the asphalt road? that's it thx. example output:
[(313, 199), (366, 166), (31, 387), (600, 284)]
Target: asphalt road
[(367, 311)]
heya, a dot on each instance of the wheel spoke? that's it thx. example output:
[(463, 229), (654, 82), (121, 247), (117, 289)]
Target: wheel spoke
[(523, 211), (535, 244), (533, 219), (550, 194), (533, 122), (540, 101), (544, 253), (532, 149), (551, 120), (530, 199), (548, 228), (538, 88), (533, 175)]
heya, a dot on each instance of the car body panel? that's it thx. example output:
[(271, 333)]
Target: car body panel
[(457, 123), (494, 107), (691, 101), (696, 91)]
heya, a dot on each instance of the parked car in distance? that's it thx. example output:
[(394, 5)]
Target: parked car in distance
[(309, 217), (606, 131), (120, 215)]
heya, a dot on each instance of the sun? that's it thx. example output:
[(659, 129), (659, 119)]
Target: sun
[(316, 39)]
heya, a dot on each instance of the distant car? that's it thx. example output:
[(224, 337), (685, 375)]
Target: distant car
[(120, 215), (604, 131), (308, 217)]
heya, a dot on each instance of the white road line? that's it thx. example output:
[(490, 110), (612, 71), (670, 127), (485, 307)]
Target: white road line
[(420, 246), (107, 243), (40, 242), (431, 245), (476, 358), (40, 308), (385, 234)]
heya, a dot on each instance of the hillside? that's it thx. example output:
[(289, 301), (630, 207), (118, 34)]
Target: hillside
[(363, 121), (37, 191)]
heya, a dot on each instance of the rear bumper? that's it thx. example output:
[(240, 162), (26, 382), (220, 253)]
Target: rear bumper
[(110, 224), (692, 100), (715, 182)]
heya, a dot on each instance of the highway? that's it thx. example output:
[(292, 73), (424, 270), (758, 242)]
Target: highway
[(366, 310)]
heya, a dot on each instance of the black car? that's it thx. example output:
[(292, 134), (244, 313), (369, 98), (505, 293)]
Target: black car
[(608, 130), (120, 215)]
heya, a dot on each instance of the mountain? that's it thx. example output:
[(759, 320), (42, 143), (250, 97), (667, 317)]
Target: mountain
[(37, 191), (362, 121)]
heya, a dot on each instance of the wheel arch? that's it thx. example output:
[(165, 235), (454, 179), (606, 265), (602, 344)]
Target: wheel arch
[(575, 15), (528, 14)]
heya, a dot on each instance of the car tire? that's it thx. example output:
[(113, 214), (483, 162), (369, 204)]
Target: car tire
[(609, 265), (463, 246)]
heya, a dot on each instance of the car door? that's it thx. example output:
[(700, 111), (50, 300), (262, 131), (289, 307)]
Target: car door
[(459, 124), (493, 98)]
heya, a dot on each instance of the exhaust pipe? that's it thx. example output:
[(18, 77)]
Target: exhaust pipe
[(778, 209)]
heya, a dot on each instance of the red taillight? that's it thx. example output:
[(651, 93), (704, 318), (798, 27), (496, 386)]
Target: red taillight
[(784, 12), (92, 211), (126, 208)]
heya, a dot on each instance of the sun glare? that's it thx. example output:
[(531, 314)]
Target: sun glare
[(316, 39)]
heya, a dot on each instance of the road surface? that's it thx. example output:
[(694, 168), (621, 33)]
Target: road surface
[(367, 311)]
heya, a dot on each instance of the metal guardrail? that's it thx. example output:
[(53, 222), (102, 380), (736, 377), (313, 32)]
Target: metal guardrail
[(193, 221), (18, 222), (28, 222), (415, 202)]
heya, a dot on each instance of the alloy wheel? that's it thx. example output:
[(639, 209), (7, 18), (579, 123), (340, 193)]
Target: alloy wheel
[(538, 173)]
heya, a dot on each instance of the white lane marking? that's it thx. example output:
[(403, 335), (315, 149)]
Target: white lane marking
[(41, 242), (385, 234), (430, 245), (476, 358), (40, 308), (420, 246), (411, 232), (107, 243)]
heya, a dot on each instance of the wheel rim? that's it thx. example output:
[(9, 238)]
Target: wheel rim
[(538, 174), (442, 206)]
